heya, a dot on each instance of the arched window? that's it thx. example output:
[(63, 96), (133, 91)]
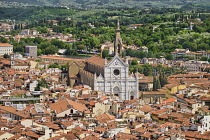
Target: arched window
[(131, 95), (71, 111)]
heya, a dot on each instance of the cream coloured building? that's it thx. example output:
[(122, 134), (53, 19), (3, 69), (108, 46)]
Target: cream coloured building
[(5, 48)]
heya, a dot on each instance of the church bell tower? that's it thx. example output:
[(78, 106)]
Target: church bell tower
[(12, 60), (118, 41)]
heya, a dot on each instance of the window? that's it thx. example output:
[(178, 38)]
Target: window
[(71, 111), (116, 72)]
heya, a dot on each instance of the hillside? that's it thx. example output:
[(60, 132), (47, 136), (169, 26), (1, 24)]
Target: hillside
[(108, 3)]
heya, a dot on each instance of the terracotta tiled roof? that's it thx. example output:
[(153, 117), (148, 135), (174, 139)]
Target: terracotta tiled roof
[(5, 61), (61, 58), (161, 111), (146, 108), (146, 79), (90, 137), (191, 134), (140, 130), (153, 92), (97, 60), (168, 101), (146, 135), (163, 116), (2, 132), (52, 126), (5, 44), (186, 75), (105, 118), (31, 134), (65, 104), (16, 137), (125, 136), (16, 129), (69, 136), (204, 108), (14, 111), (56, 138), (100, 129)]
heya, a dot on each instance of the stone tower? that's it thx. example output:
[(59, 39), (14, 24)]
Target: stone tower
[(118, 41), (12, 60)]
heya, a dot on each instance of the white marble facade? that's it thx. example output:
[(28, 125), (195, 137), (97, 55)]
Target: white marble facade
[(117, 80)]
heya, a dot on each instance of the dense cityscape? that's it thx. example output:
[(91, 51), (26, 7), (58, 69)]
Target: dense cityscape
[(68, 73)]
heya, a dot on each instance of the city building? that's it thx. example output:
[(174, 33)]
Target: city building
[(184, 54), (118, 45), (205, 127), (180, 52), (110, 77), (108, 46), (5, 48), (31, 51), (29, 32), (143, 48)]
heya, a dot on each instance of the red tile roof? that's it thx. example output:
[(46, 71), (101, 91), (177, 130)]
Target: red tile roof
[(5, 44), (97, 60), (168, 101), (65, 104)]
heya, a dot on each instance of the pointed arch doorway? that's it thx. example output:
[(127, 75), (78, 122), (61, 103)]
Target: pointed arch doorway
[(116, 91)]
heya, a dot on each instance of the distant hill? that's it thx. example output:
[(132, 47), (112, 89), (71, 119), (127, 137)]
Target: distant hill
[(108, 3)]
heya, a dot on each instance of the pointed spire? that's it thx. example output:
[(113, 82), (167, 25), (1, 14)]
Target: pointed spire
[(105, 61), (118, 41), (95, 76), (118, 25)]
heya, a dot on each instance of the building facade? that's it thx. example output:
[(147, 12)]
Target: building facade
[(111, 77), (31, 51), (5, 48), (116, 80)]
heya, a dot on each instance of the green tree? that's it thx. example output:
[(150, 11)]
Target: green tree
[(169, 56), (3, 40), (204, 58), (64, 67), (42, 30), (162, 79), (81, 47), (94, 42), (71, 50), (55, 65), (38, 40), (138, 43), (6, 56), (156, 84), (105, 53), (147, 69), (41, 83), (58, 43), (51, 49), (39, 52), (134, 62)]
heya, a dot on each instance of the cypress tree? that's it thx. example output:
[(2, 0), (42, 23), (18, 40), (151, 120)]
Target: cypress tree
[(163, 79), (154, 83), (158, 86)]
